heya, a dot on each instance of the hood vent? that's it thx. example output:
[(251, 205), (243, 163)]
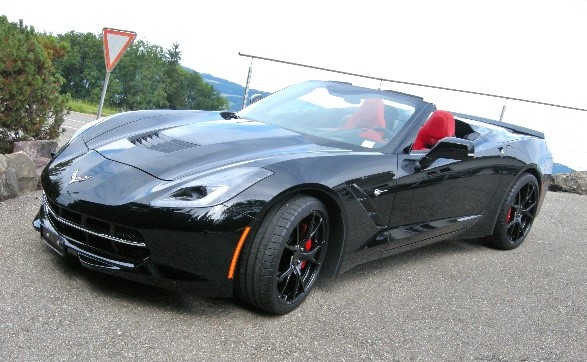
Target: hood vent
[(161, 143)]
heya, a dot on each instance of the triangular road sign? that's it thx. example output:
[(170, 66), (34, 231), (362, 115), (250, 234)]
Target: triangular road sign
[(115, 44)]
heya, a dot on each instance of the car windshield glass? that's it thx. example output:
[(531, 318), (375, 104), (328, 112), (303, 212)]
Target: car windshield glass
[(337, 111)]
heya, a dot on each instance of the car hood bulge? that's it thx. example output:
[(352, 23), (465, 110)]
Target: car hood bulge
[(171, 151)]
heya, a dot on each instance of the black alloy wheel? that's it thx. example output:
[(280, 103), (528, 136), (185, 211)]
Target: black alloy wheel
[(280, 265), (516, 214), (299, 266)]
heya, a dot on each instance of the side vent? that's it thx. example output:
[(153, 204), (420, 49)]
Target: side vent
[(160, 143)]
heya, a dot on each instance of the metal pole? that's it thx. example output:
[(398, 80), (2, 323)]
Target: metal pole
[(503, 110), (248, 84), (414, 84), (103, 94)]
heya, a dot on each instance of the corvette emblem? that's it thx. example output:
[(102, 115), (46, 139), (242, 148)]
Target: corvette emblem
[(74, 177)]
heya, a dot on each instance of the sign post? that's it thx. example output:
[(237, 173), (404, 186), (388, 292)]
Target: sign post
[(116, 42)]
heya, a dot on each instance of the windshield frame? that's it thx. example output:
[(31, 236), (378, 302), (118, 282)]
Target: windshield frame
[(287, 108)]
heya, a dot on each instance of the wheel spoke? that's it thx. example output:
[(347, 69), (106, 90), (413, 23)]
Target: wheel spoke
[(298, 282), (304, 284), (528, 214), (523, 226), (526, 199), (513, 228), (529, 208), (291, 285), (522, 230), (510, 228), (286, 274), (530, 195), (282, 292), (515, 234), (309, 228), (310, 256), (315, 228), (291, 247), (303, 281)]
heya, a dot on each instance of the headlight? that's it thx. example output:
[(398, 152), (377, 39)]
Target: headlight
[(212, 189)]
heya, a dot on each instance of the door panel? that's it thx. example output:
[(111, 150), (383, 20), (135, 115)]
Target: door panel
[(446, 197)]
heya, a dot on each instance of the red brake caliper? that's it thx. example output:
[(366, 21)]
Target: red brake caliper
[(307, 246), (509, 217)]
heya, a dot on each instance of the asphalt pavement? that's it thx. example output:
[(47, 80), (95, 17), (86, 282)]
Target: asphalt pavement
[(452, 301), (72, 122)]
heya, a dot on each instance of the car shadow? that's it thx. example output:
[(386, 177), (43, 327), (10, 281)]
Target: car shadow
[(180, 301), (189, 302), (389, 263)]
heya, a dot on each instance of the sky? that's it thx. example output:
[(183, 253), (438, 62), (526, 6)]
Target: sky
[(523, 49)]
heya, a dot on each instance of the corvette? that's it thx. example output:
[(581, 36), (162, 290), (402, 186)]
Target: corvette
[(307, 182)]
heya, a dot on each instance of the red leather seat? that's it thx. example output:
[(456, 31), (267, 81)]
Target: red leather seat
[(369, 115), (441, 124)]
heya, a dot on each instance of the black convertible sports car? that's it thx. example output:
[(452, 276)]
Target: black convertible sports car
[(314, 179)]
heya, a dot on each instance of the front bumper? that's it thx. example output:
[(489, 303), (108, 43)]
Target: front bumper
[(196, 261)]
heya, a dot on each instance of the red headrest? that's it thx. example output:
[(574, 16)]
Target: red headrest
[(441, 124)]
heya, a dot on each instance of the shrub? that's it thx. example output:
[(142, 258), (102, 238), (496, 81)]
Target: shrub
[(30, 104)]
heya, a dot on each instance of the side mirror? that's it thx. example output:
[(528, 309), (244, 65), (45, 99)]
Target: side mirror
[(450, 147)]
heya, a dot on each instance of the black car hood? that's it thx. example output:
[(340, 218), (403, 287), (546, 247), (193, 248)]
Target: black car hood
[(176, 144)]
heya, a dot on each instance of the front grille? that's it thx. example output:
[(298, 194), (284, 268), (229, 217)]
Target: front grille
[(113, 239), (161, 143)]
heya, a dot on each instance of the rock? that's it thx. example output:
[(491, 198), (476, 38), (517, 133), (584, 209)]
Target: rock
[(34, 149), (8, 180), (40, 163), (575, 182), (39, 151), (24, 167)]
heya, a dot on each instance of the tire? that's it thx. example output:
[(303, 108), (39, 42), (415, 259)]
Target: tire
[(280, 265), (517, 214)]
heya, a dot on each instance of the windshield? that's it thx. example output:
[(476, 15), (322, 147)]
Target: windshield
[(337, 111)]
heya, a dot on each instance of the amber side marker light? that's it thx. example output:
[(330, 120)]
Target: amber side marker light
[(237, 252)]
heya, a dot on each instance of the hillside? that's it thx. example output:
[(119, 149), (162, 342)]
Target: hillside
[(232, 91), (558, 168)]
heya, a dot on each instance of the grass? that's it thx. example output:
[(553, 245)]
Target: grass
[(89, 108)]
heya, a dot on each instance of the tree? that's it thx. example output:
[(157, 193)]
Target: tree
[(174, 83), (31, 106), (146, 77), (82, 67), (201, 95), (140, 78)]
